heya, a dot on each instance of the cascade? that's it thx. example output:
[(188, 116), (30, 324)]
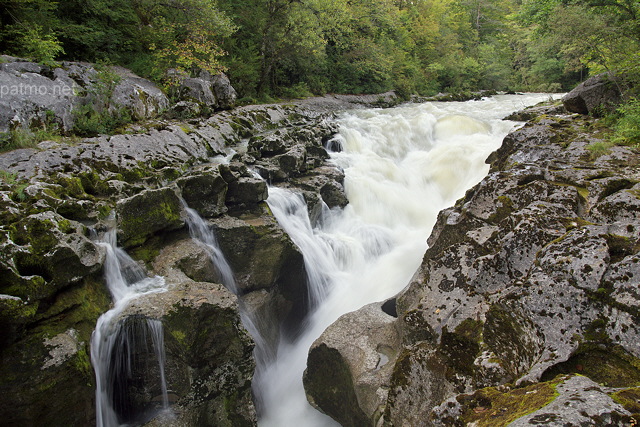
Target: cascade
[(122, 347), (201, 233), (402, 166)]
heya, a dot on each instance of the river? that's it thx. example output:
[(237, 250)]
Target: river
[(402, 166)]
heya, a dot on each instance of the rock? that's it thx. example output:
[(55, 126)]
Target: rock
[(350, 366), (245, 190), (209, 363), (269, 270), (595, 95), (188, 257), (186, 109), (141, 98), (149, 212), (30, 99), (205, 192), (225, 94), (53, 351), (45, 254), (562, 401), (213, 92), (37, 96)]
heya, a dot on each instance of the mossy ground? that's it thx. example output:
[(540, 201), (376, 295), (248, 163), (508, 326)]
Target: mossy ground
[(492, 407), (612, 367)]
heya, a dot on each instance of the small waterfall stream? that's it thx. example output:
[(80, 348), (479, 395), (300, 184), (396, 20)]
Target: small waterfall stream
[(115, 343), (402, 166)]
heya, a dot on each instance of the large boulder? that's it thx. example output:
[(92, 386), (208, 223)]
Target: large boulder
[(45, 371), (140, 97), (141, 216), (34, 95), (595, 95), (212, 92), (205, 191), (32, 99), (350, 366), (208, 356)]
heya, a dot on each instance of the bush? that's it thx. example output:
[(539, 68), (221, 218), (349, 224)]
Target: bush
[(43, 48), (626, 127), (90, 121)]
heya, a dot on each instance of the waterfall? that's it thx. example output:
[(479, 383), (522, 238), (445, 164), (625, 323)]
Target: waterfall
[(402, 166), (202, 234), (116, 342)]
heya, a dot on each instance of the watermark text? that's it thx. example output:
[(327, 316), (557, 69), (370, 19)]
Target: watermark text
[(26, 90)]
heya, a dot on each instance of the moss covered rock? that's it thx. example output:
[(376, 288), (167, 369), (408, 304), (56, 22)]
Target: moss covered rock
[(209, 354), (141, 216)]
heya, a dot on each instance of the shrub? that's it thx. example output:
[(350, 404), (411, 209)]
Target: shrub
[(42, 47), (626, 128)]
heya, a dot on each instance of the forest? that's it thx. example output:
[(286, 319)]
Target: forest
[(294, 48)]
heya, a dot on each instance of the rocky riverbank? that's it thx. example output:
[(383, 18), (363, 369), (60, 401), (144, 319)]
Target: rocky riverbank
[(525, 308), (56, 200)]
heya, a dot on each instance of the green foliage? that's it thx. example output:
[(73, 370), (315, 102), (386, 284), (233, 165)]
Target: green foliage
[(599, 148), (626, 125), (29, 138), (42, 47), (10, 181), (91, 121), (292, 48), (97, 116)]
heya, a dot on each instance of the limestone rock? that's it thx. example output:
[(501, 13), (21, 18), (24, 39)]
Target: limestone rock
[(597, 92), (146, 213), (140, 97), (350, 366), (205, 192), (40, 97), (209, 362), (213, 92), (47, 252)]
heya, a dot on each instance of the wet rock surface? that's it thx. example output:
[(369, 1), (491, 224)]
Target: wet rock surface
[(531, 275)]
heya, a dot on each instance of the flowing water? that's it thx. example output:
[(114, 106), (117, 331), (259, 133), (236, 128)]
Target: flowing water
[(115, 344), (402, 166)]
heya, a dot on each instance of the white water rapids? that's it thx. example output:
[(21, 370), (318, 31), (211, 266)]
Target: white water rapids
[(402, 166)]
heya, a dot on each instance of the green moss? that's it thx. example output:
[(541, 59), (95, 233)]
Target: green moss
[(491, 407), (13, 310), (148, 251), (78, 307), (36, 232), (73, 187), (462, 346), (599, 148), (66, 227), (179, 336), (613, 368), (504, 207), (629, 398), (82, 362), (576, 222)]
